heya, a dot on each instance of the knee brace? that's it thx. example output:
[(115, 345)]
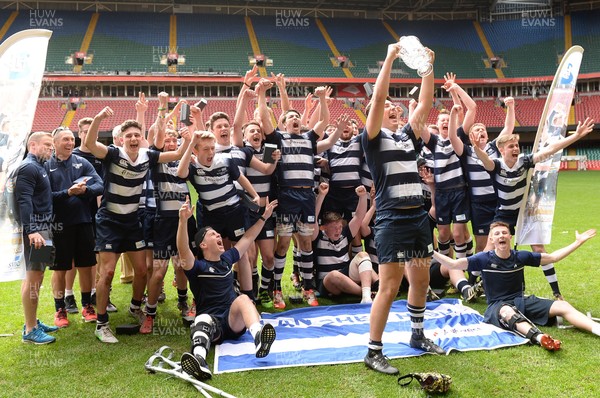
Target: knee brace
[(518, 317), (204, 331)]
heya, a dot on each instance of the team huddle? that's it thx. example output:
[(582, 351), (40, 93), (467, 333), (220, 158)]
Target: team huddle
[(360, 208)]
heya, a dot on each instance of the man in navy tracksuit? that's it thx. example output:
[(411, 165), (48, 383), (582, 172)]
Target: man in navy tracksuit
[(74, 182), (33, 197)]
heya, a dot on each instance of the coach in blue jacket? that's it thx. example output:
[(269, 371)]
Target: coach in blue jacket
[(74, 183)]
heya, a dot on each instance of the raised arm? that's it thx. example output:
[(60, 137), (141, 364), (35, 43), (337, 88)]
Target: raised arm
[(488, 163), (97, 149), (322, 93), (186, 257), (380, 92), (265, 117), (160, 125), (280, 82), (509, 120), (341, 123), (247, 82), (418, 119), (323, 191), (456, 142), (141, 106), (559, 254), (583, 129), (361, 210), (250, 236), (365, 225), (183, 169), (449, 79), (170, 156), (468, 102), (240, 115), (309, 105)]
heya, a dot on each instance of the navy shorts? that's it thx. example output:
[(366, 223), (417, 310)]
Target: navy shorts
[(75, 243), (536, 309), (509, 217), (296, 205), (401, 235), (147, 217), (232, 224), (226, 332), (436, 279), (452, 206), (342, 201), (268, 231), (34, 265), (482, 215), (118, 235), (165, 236)]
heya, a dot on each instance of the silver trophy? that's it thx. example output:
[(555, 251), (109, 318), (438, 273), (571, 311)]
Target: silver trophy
[(414, 55)]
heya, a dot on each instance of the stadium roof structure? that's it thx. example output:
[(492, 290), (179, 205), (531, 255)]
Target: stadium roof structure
[(395, 9)]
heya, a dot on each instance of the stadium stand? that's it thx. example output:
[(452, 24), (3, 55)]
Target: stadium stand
[(455, 43), (296, 51), (586, 33), (119, 45), (213, 43), (527, 49)]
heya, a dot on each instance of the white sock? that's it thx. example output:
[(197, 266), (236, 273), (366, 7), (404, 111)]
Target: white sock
[(254, 329), (596, 329), (366, 295), (93, 290), (69, 293), (538, 338), (200, 351)]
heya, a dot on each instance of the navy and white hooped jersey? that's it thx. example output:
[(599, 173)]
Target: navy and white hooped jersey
[(149, 193), (447, 169), (331, 256), (296, 167), (214, 184), (392, 160), (481, 184), (510, 182), (124, 179), (503, 278), (170, 190), (345, 162), (261, 182)]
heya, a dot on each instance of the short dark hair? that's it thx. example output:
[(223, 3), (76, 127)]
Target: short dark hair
[(499, 224), (331, 216), (216, 116), (199, 237), (130, 123)]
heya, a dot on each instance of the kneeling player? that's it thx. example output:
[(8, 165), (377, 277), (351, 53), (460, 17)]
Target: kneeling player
[(223, 314), (502, 271)]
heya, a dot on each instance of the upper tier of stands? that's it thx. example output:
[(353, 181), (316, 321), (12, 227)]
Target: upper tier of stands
[(221, 43)]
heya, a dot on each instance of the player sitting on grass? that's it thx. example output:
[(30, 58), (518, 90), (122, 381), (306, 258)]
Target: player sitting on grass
[(502, 271), (223, 314)]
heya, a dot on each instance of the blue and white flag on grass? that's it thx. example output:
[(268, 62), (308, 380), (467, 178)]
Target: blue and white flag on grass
[(339, 334)]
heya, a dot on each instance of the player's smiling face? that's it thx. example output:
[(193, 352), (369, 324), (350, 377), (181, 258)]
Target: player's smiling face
[(510, 151), (292, 123), (253, 135), (221, 130), (501, 237), (391, 116), (131, 139), (442, 123)]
